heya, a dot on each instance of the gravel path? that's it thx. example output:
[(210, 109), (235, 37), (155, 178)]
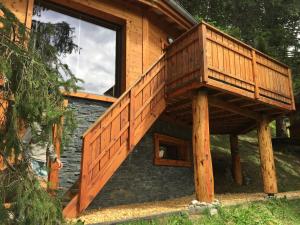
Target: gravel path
[(135, 211)]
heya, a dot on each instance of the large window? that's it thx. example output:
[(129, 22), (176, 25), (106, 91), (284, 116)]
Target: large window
[(95, 59)]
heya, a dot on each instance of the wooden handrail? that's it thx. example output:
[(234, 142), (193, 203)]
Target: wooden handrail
[(121, 97)]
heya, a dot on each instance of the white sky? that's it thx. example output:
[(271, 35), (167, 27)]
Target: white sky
[(95, 62)]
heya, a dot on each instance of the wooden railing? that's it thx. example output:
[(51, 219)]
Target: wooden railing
[(113, 136), (206, 56)]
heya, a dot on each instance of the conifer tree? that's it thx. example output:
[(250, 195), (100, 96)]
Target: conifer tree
[(32, 81)]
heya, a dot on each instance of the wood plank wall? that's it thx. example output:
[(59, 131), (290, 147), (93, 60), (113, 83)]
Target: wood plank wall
[(143, 36)]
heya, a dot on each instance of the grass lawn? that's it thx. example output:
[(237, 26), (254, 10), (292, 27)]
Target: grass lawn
[(272, 212)]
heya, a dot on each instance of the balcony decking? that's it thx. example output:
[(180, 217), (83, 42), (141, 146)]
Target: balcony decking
[(242, 83)]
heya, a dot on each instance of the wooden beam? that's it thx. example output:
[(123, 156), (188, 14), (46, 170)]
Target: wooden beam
[(236, 160), (90, 96), (233, 108), (266, 157), (146, 60), (203, 172)]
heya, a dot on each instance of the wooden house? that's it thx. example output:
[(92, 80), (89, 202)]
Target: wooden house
[(146, 135)]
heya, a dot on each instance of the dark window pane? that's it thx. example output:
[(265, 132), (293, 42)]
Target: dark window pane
[(169, 151), (95, 62)]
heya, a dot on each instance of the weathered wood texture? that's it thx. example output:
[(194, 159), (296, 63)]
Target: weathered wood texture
[(108, 142), (227, 64), (266, 157), (203, 172), (236, 160)]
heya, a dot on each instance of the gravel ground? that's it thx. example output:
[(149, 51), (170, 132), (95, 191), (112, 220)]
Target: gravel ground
[(135, 211)]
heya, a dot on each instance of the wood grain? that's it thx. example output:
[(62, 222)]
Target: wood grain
[(203, 173), (266, 157)]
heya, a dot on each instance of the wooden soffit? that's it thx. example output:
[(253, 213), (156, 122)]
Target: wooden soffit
[(171, 14)]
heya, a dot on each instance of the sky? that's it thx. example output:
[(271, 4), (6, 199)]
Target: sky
[(95, 62)]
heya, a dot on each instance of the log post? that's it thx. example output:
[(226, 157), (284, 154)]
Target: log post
[(266, 157), (236, 160), (203, 172)]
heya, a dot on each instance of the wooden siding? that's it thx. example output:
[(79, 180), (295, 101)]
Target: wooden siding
[(227, 64), (143, 37)]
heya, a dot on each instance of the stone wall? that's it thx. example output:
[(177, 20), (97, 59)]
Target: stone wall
[(86, 112), (139, 180)]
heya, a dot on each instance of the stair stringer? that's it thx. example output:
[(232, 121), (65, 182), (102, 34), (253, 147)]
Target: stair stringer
[(108, 142)]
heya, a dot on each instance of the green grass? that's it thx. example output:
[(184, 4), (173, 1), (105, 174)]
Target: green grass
[(272, 212), (287, 162)]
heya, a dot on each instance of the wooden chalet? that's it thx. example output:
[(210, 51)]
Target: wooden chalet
[(174, 69)]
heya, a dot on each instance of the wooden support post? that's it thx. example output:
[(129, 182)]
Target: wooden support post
[(266, 157), (236, 160), (203, 172)]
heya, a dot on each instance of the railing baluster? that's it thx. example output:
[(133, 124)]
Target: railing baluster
[(255, 78), (291, 90), (202, 45), (131, 119)]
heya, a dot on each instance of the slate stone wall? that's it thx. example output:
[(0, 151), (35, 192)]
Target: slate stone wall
[(139, 180), (86, 112)]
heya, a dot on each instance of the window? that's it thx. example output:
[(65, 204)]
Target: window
[(95, 61), (170, 151)]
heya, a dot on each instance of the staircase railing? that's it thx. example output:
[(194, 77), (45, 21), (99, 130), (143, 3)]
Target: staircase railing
[(113, 136)]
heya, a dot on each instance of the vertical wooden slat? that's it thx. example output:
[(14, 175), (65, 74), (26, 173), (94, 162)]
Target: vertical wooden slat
[(203, 49), (84, 176), (145, 46), (291, 89), (131, 142), (255, 75)]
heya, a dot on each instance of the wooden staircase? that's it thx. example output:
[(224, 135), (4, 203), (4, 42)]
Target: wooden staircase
[(108, 142)]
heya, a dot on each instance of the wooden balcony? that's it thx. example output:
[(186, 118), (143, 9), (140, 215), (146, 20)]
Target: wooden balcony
[(243, 84)]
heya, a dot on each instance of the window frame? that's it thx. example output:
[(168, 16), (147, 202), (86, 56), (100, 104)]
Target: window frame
[(183, 146), (118, 27)]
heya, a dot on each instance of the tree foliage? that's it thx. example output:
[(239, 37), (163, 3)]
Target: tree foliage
[(271, 26), (33, 78)]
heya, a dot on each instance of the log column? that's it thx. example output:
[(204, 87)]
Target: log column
[(236, 160), (266, 157), (203, 172)]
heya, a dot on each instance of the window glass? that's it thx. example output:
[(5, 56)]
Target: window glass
[(95, 61)]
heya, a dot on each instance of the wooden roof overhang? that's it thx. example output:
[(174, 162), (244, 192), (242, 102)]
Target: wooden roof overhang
[(171, 12)]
